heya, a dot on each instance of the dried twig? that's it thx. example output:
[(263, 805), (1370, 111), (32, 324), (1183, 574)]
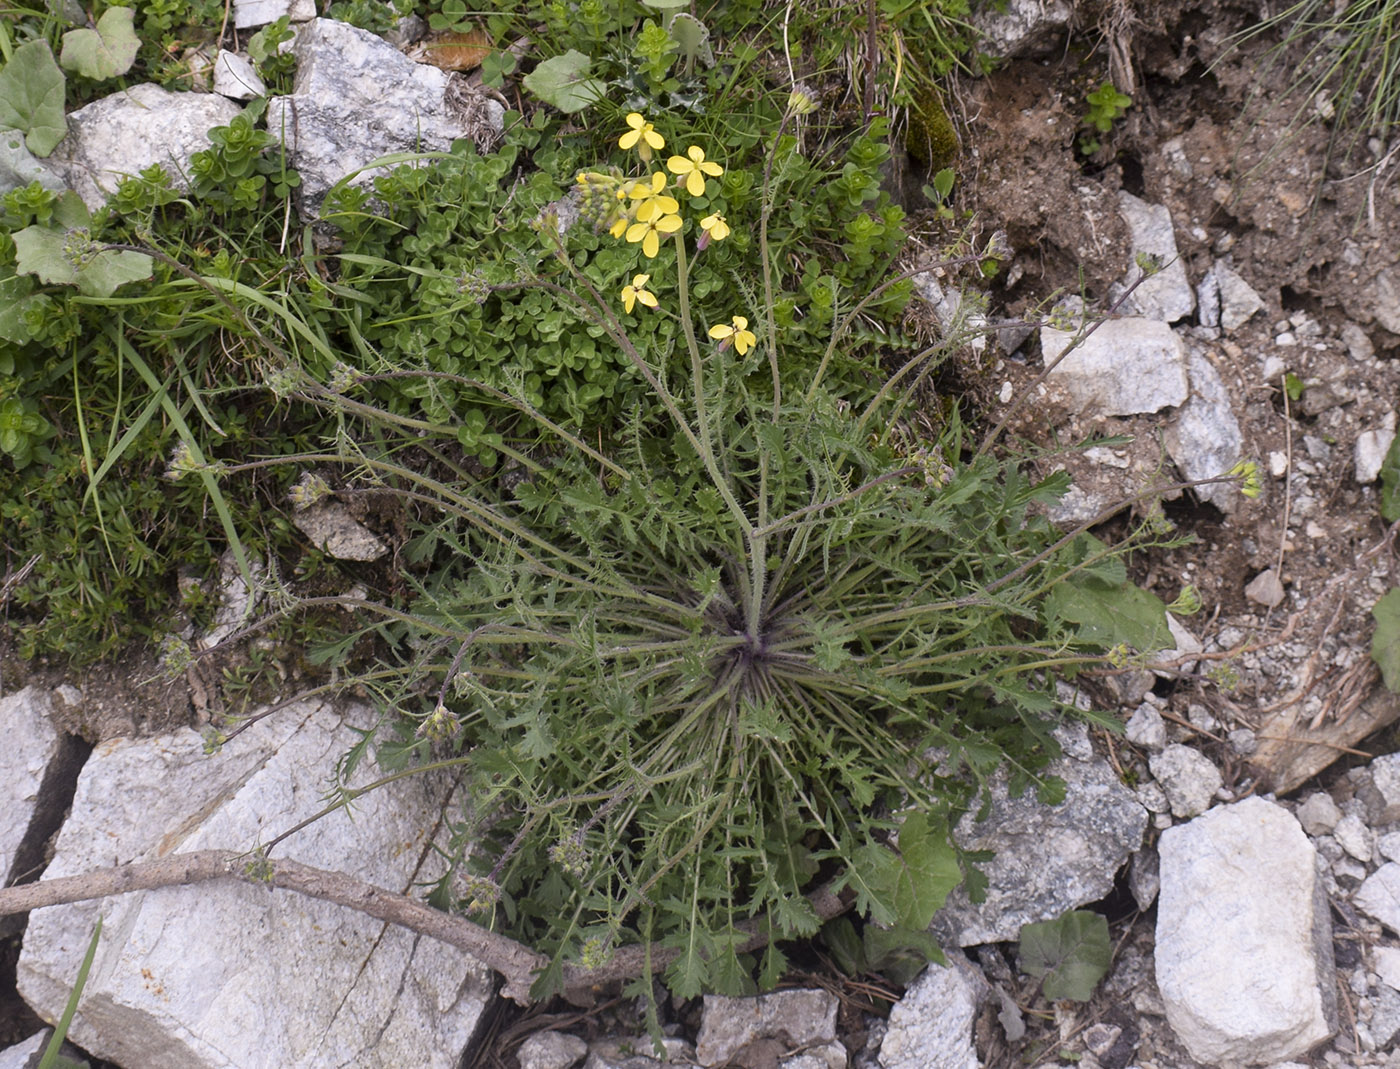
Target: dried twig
[(518, 964)]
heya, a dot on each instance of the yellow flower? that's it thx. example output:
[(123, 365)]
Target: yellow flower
[(715, 226), (653, 201), (643, 132), (646, 232), (736, 329), (636, 292), (694, 169), (619, 227)]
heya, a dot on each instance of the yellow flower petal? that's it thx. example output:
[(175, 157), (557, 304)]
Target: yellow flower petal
[(668, 224), (651, 244), (640, 281), (721, 330), (648, 299), (629, 298)]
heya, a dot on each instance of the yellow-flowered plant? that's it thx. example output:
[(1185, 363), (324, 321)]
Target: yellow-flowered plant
[(693, 167), (736, 331), (641, 135), (637, 293)]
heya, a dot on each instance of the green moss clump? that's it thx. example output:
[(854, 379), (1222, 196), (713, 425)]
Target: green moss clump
[(930, 137)]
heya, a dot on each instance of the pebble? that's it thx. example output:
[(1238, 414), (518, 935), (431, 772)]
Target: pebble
[(1146, 728), (1354, 837), (1318, 814), (1188, 778)]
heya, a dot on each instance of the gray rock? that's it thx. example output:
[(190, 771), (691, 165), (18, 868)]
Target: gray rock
[(1265, 589), (1385, 1019), (235, 78), (1243, 741), (1184, 643), (801, 1017), (1387, 964), (25, 1055), (1354, 837), (1244, 941), (551, 1050), (1358, 344), (357, 98), (1166, 296), (1048, 859), (1371, 448), (1188, 777), (1024, 28), (1379, 790), (1145, 878), (1389, 846), (333, 530), (19, 166), (1238, 301), (31, 744), (931, 1026), (126, 132), (1208, 300), (229, 974), (1146, 728), (1379, 896), (637, 1052), (250, 13), (1127, 366), (1382, 295), (1205, 440), (824, 1056)]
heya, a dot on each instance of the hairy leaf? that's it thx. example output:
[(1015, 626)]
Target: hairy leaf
[(1069, 954), (564, 82), (1390, 483), (1105, 615), (1385, 643), (104, 52), (31, 97)]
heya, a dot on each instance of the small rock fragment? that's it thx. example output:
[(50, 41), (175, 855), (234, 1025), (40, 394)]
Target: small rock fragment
[(1379, 896), (1354, 837), (1358, 345), (1243, 951), (333, 530), (1371, 448), (1387, 963), (1380, 790), (802, 1017), (1265, 589), (1319, 814), (1188, 778), (1238, 301), (1146, 728), (551, 1050), (235, 78), (931, 1026), (1127, 366), (1166, 295)]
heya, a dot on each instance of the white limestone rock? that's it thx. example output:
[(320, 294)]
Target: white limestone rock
[(126, 132), (1379, 896), (1146, 728), (357, 98), (1238, 300), (1166, 295), (250, 13), (802, 1017), (1022, 28), (1127, 366), (1205, 439), (1371, 447), (931, 1026), (228, 974), (26, 1054), (1379, 789), (1318, 814), (1187, 777), (334, 531), (551, 1050), (235, 78), (1244, 940), (1047, 859), (31, 744)]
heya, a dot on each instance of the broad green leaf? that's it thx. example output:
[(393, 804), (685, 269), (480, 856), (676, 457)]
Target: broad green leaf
[(1108, 615), (564, 82), (924, 873), (16, 299), (1070, 954), (48, 253), (31, 97), (1385, 643), (104, 52), (1390, 483)]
